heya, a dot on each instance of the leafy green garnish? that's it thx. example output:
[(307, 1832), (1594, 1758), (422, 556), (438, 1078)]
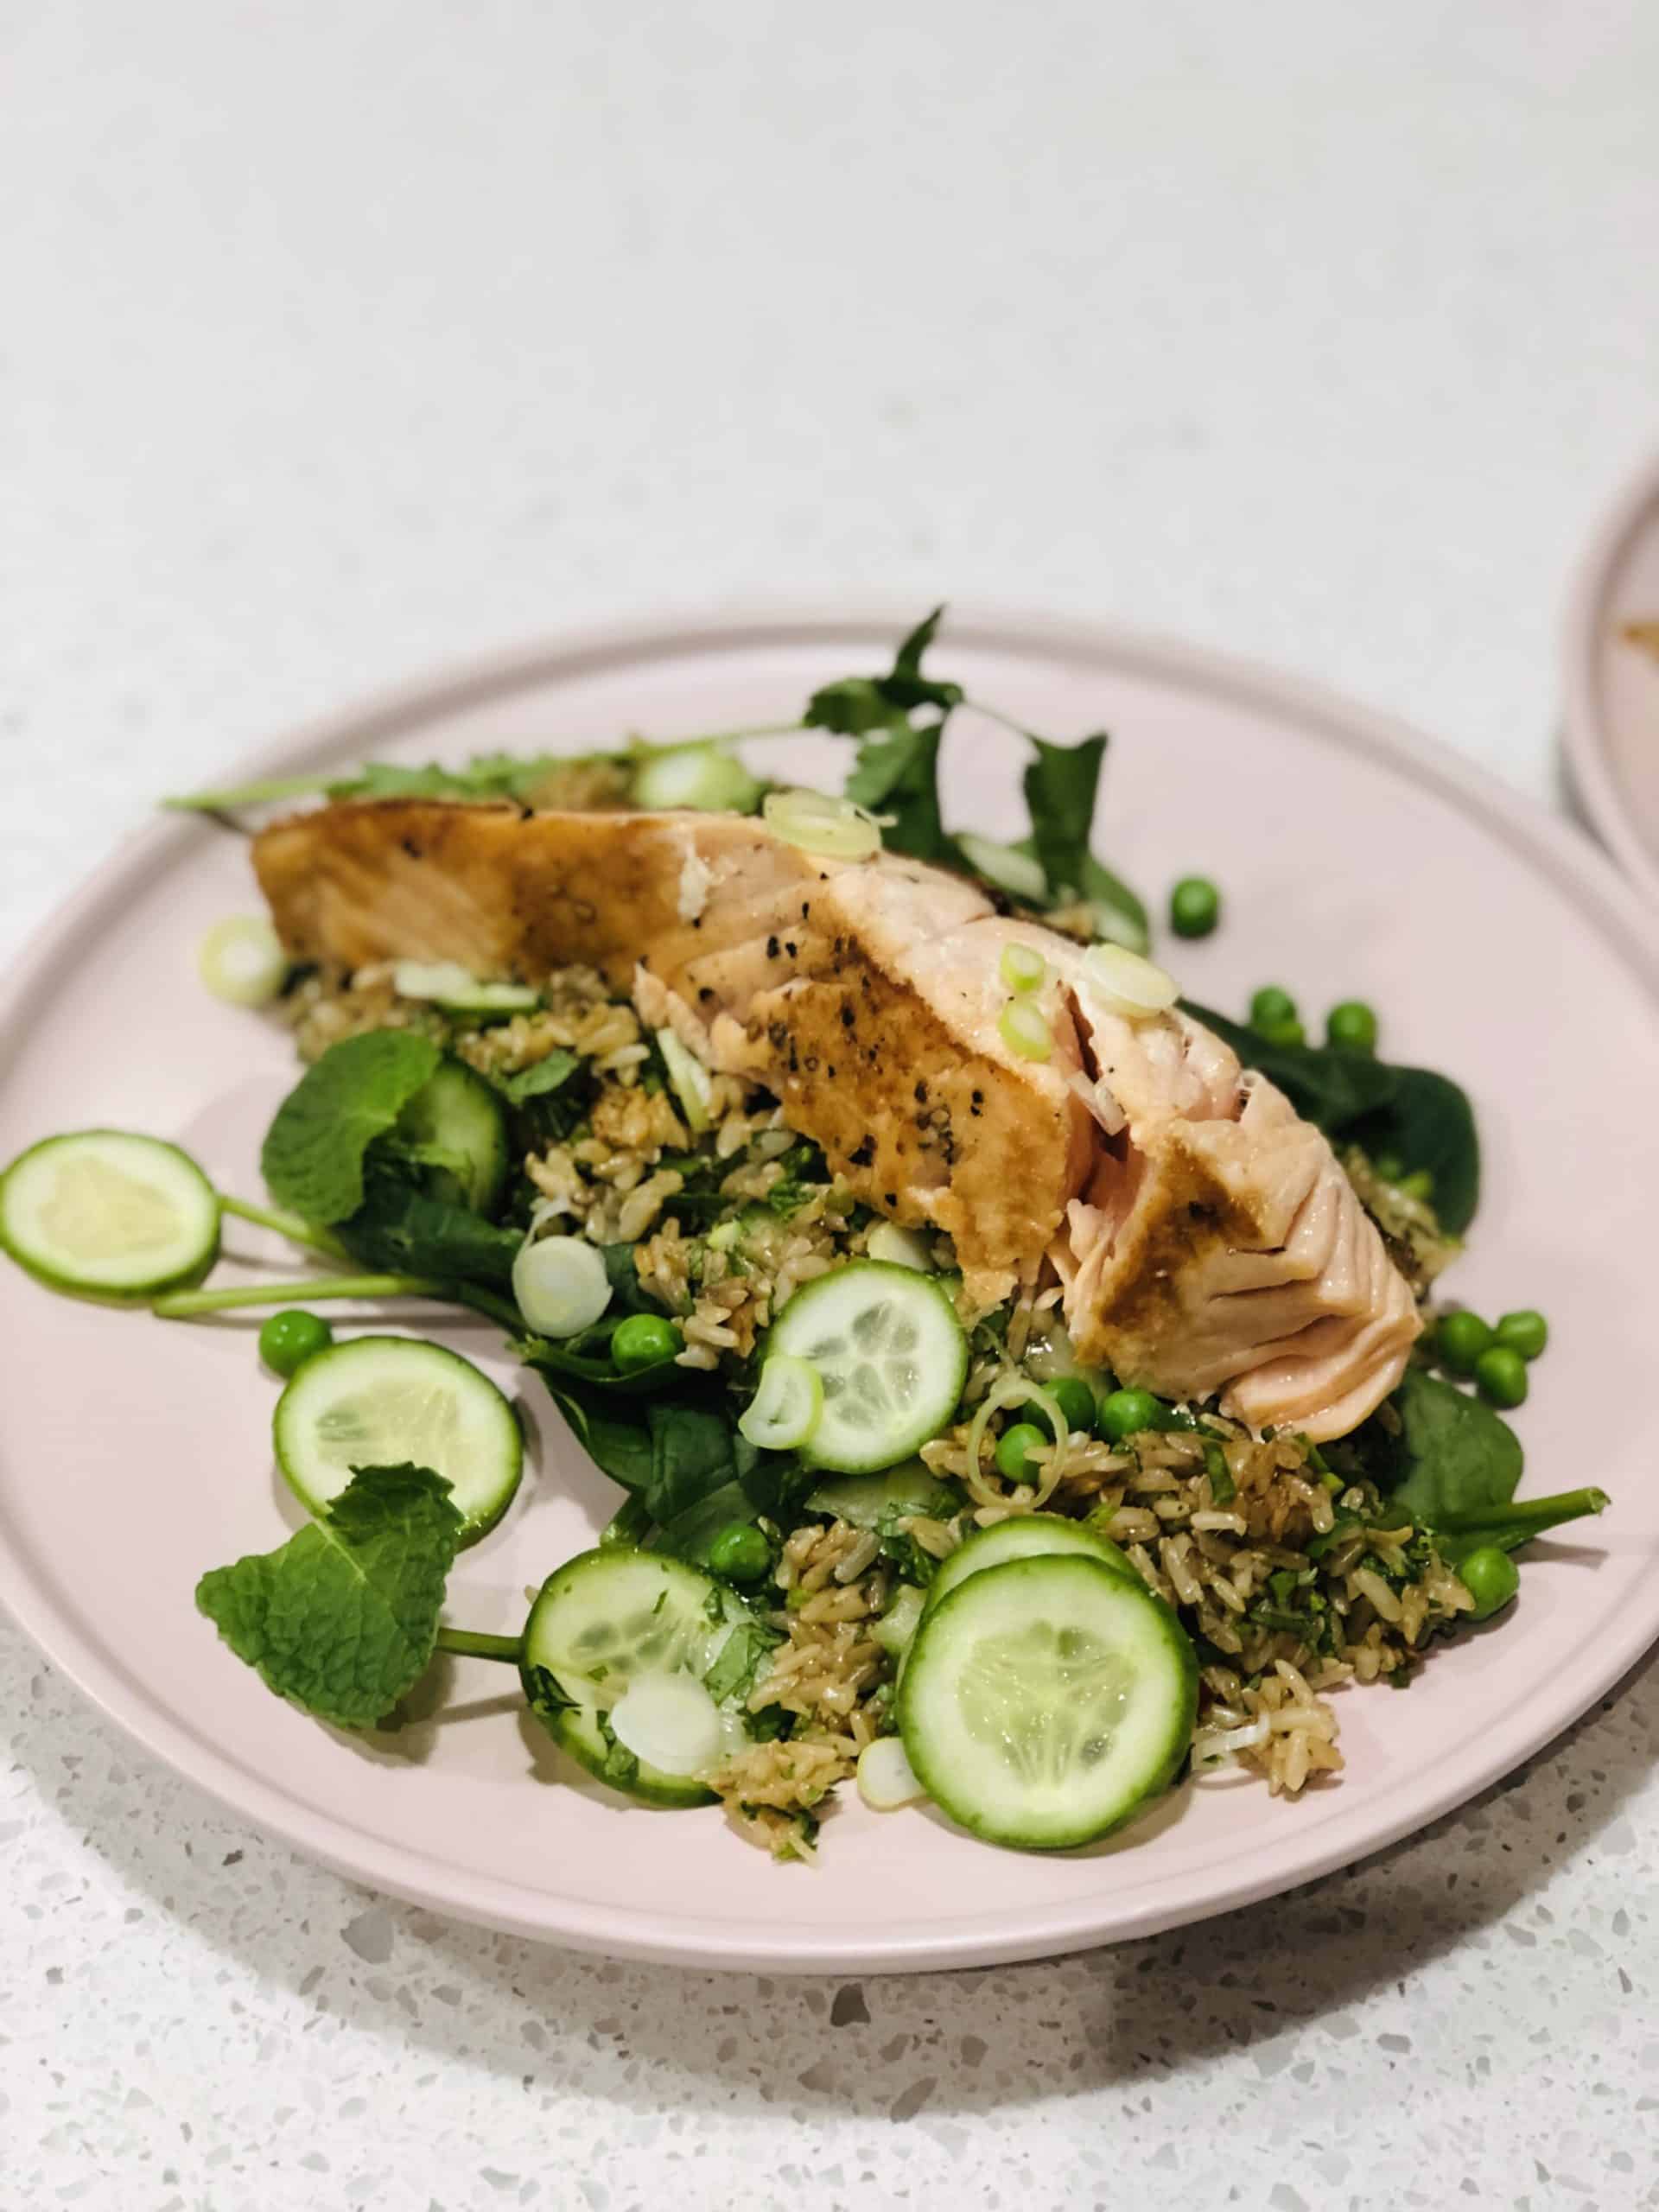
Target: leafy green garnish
[(858, 704), (897, 777), (341, 1619), (541, 1079), (314, 1152), (400, 1228), (1060, 785), (1423, 1119), (1454, 1466), (739, 1661)]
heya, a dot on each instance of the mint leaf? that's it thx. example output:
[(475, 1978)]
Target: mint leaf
[(342, 1619), (313, 1150)]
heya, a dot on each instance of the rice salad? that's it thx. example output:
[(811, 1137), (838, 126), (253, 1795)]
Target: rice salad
[(1026, 1390)]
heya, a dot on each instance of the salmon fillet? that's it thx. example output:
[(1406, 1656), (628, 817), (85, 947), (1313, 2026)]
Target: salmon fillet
[(1206, 1237)]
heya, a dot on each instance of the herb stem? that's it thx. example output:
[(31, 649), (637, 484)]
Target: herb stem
[(472, 1643), (290, 1225), (264, 794), (712, 737), (1539, 1513), (489, 1303), (181, 1305)]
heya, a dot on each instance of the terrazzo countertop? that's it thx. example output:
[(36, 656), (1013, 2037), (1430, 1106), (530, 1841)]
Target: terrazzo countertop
[(340, 341)]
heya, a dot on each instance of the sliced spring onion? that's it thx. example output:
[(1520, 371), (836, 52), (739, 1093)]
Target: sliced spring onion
[(1023, 1031), (787, 1406), (901, 1248), (1018, 874), (704, 776), (560, 1284), (819, 822), (887, 1779), (689, 1079), (1016, 1390), (1023, 968), (446, 983), (1135, 988), (241, 961), (671, 1722)]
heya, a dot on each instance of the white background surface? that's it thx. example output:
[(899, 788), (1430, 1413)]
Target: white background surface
[(340, 340)]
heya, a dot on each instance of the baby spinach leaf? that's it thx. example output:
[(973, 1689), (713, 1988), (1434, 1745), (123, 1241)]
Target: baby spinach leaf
[(1452, 1453), (1422, 1118), (314, 1152), (341, 1619), (401, 1228)]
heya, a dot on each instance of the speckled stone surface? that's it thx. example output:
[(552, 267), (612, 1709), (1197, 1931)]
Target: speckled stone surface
[(338, 341)]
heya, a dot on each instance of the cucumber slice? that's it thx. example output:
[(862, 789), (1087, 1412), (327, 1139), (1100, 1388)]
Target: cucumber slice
[(103, 1214), (381, 1401), (456, 1125), (1045, 1700), (705, 777), (1024, 1535), (865, 1501), (893, 1355), (610, 1621), (447, 985)]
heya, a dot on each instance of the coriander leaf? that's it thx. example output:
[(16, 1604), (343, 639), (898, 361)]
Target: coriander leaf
[(1422, 1118), (342, 1619), (858, 704), (1060, 785), (405, 1231), (313, 1156), (907, 684), (897, 777)]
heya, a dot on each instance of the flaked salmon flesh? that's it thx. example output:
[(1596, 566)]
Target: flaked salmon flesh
[(1204, 1235)]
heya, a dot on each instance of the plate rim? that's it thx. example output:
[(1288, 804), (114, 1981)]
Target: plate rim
[(1590, 769), (1549, 843)]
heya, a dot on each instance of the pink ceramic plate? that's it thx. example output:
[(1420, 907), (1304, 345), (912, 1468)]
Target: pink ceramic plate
[(1356, 859), (1613, 679)]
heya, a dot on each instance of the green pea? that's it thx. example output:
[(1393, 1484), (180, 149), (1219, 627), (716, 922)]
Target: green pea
[(1271, 1009), (1194, 906), (1126, 1413), (1491, 1578), (643, 1340), (1501, 1376), (1352, 1025), (1281, 1033), (1073, 1397), (1014, 1447), (1460, 1338), (291, 1338), (1523, 1331), (739, 1552)]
